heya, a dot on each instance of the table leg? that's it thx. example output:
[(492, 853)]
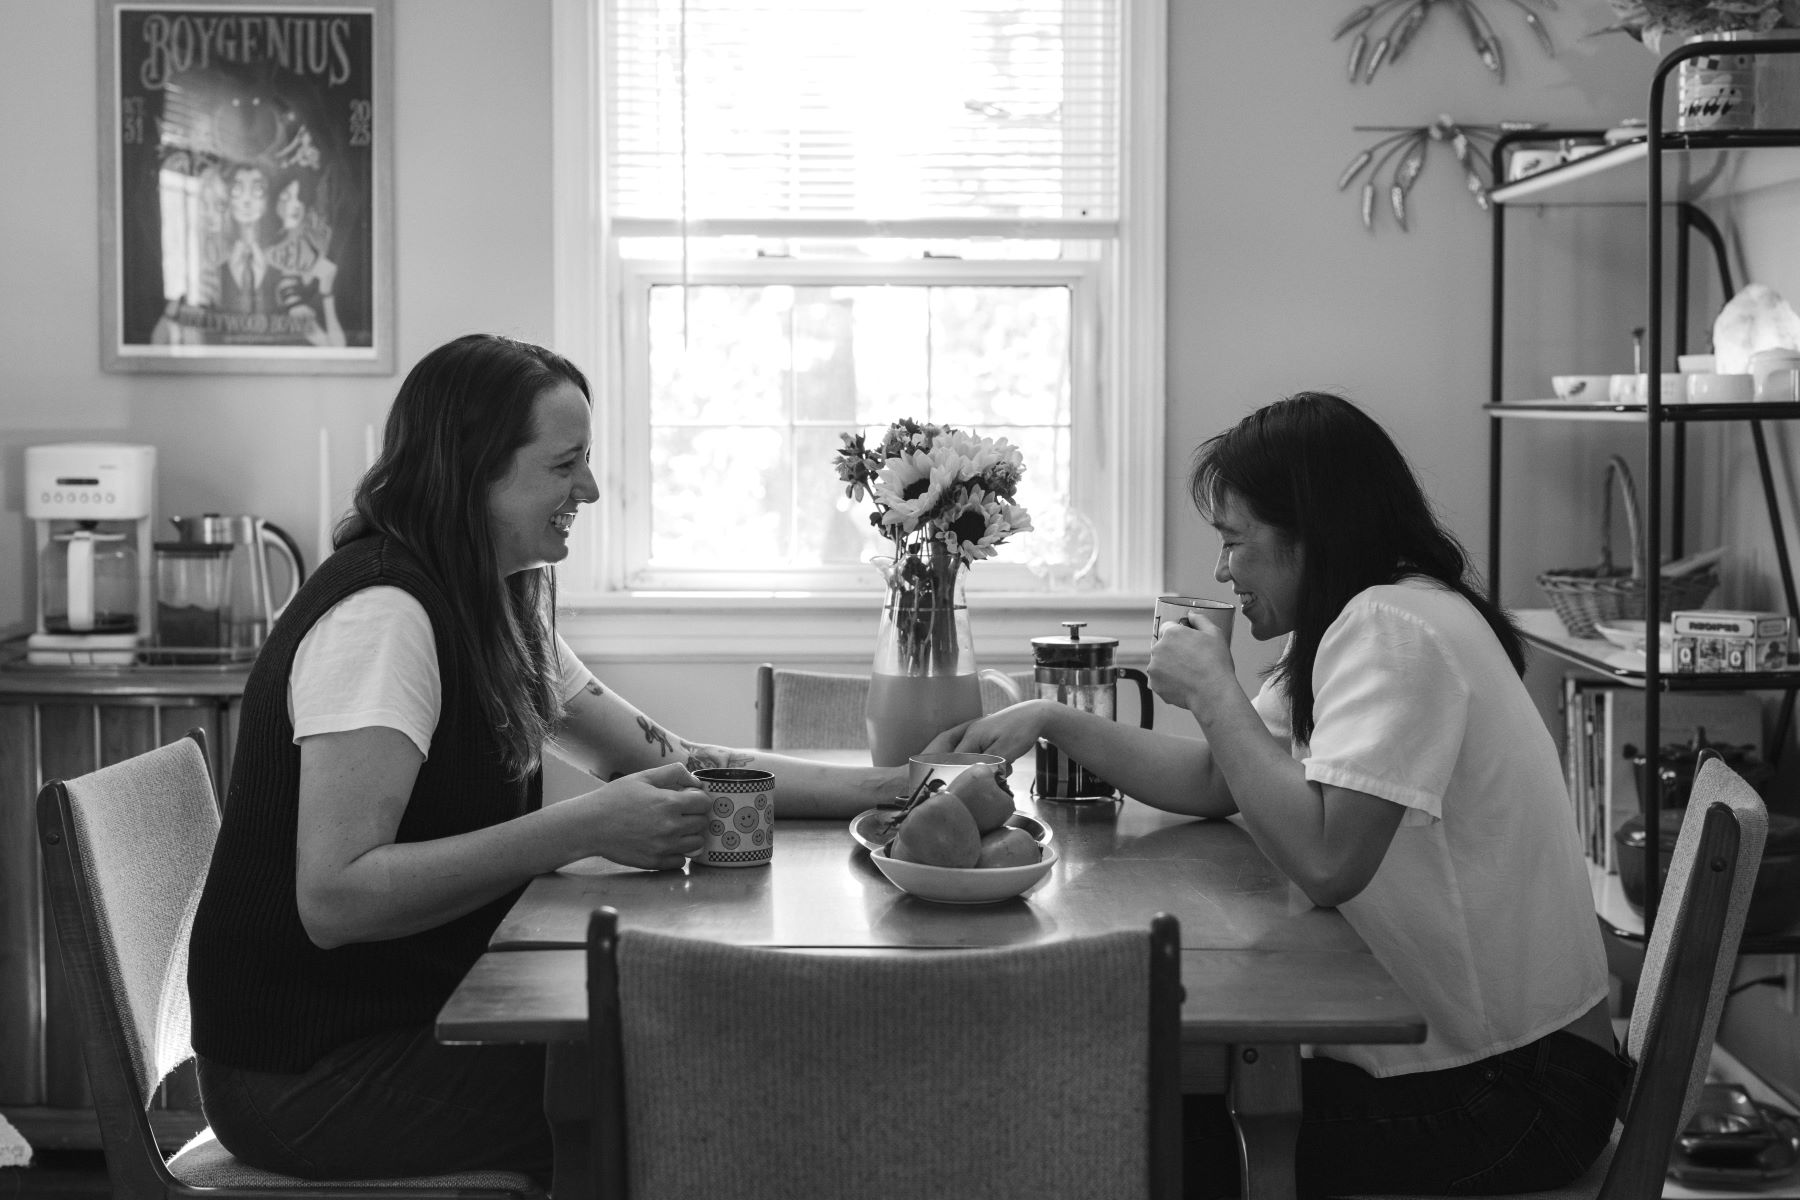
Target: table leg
[(1264, 1095), (567, 1105)]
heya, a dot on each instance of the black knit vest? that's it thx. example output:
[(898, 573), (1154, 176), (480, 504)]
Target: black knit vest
[(264, 997)]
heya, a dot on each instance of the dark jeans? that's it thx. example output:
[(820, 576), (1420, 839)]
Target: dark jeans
[(1522, 1121), (394, 1104)]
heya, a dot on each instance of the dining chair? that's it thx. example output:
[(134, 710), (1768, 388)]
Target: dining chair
[(1037, 1071), (1687, 971), (819, 710), (125, 853)]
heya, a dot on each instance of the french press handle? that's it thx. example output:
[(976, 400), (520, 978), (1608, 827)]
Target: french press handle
[(1146, 710)]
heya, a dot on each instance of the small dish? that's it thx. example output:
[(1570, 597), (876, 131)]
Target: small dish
[(1630, 635), (1584, 389), (875, 827), (962, 885)]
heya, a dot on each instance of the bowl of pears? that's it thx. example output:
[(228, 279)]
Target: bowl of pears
[(963, 843)]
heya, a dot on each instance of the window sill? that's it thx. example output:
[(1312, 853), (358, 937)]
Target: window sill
[(824, 627)]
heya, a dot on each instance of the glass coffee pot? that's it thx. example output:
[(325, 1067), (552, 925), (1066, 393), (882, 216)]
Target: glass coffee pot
[(1077, 671), (215, 593), (88, 578)]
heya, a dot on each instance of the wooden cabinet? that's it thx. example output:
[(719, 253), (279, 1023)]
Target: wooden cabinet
[(59, 723)]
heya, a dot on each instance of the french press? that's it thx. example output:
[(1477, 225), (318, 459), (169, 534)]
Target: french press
[(1078, 671)]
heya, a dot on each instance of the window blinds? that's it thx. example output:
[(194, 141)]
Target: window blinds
[(823, 117)]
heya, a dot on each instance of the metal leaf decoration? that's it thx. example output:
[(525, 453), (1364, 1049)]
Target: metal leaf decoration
[(1384, 29), (1394, 162)]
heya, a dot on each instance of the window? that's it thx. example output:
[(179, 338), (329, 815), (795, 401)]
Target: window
[(778, 223)]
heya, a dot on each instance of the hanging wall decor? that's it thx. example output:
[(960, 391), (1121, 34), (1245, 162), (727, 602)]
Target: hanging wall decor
[(1385, 28), (246, 204), (1394, 161)]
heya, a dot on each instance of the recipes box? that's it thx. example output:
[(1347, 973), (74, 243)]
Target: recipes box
[(1722, 640)]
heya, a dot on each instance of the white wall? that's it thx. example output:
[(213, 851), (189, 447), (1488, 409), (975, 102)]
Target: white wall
[(472, 199)]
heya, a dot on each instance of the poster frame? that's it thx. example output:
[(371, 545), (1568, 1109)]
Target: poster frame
[(194, 347)]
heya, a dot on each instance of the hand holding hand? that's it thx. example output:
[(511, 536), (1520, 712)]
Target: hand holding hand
[(1010, 733), (1189, 663), (653, 819)]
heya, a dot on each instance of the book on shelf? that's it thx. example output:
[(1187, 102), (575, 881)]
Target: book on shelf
[(1602, 719)]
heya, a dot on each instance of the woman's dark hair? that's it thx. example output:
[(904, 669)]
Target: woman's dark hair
[(1330, 480), (463, 412)]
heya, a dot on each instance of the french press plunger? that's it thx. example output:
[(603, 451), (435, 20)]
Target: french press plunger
[(1078, 671)]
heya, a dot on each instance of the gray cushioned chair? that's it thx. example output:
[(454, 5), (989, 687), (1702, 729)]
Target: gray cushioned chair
[(1040, 1071), (819, 710), (1687, 971), (125, 855)]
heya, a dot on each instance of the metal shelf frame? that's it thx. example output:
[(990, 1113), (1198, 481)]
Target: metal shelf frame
[(1700, 166)]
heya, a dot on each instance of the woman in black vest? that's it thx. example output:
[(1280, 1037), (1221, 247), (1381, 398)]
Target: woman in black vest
[(385, 801)]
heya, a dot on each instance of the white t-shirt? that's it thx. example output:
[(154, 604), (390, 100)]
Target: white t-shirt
[(1481, 908), (372, 660)]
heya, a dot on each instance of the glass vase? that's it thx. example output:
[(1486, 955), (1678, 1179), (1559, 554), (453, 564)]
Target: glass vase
[(923, 680)]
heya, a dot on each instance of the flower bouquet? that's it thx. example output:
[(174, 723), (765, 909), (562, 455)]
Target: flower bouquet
[(943, 498), (1650, 21)]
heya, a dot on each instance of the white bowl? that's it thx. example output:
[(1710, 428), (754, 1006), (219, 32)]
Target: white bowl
[(962, 885), (1587, 389), (1629, 635), (1632, 389)]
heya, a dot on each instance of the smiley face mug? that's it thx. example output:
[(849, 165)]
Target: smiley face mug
[(740, 818)]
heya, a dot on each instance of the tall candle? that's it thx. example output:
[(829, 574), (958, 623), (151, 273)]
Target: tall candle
[(324, 550)]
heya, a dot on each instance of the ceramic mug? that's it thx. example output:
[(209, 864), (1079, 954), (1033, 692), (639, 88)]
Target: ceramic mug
[(1709, 387), (1190, 609), (740, 820), (946, 766), (1772, 375)]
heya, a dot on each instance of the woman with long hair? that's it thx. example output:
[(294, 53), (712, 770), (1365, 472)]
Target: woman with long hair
[(385, 805), (1394, 766)]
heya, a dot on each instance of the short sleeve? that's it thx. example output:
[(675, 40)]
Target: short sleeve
[(572, 675), (371, 660), (1389, 709)]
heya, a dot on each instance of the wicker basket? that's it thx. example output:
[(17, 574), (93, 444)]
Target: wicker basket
[(1583, 595)]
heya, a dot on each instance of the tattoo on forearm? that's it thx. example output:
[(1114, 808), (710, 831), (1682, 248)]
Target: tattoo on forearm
[(594, 688), (716, 756), (653, 735)]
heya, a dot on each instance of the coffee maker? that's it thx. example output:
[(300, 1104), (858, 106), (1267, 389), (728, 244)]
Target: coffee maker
[(92, 504)]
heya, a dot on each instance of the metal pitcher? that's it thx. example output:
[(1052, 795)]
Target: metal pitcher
[(1077, 671)]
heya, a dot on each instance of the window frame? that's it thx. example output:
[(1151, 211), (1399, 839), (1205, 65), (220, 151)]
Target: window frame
[(590, 305), (630, 552)]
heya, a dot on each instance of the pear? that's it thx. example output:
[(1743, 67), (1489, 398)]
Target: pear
[(982, 788), (938, 832), (1008, 846)]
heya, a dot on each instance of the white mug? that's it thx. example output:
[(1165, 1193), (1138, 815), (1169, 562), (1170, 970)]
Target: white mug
[(1190, 609), (1772, 375), (945, 766)]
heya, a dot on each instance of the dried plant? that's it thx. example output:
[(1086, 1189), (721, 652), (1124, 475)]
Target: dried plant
[(1401, 154), (1384, 29)]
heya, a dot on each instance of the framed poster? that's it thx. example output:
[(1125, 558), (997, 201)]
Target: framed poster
[(246, 167)]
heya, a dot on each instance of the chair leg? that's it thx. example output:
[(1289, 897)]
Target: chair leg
[(1264, 1096)]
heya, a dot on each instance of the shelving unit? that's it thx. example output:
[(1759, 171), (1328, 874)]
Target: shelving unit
[(1661, 172)]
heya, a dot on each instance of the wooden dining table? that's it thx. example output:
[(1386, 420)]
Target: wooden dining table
[(1264, 972)]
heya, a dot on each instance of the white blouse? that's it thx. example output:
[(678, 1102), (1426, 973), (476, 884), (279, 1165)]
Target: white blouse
[(1481, 908)]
